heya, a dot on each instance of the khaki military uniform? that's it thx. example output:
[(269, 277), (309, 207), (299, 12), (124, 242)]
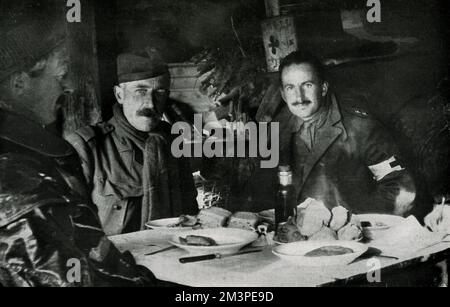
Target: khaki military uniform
[(113, 168), (354, 163)]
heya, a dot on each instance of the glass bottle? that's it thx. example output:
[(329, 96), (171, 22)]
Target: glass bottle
[(285, 202)]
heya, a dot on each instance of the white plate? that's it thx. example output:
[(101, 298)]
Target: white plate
[(229, 240), (376, 232), (295, 253), (163, 224)]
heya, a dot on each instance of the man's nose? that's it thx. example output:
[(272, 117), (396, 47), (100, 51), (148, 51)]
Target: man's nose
[(148, 101), (300, 94), (68, 85)]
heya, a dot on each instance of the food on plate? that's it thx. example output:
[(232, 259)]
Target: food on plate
[(340, 217), (325, 234), (329, 251), (312, 215), (213, 217), (197, 241), (315, 222), (185, 221), (244, 220), (289, 232), (350, 232)]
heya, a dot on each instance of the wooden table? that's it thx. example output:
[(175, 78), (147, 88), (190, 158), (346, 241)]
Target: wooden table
[(261, 269)]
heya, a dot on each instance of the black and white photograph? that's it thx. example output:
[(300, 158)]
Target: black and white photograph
[(223, 149)]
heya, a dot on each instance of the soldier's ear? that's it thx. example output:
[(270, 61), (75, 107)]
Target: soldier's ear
[(325, 87), (119, 93)]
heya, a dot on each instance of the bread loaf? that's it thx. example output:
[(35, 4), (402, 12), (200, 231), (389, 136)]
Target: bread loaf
[(350, 232), (312, 215), (325, 234), (340, 218), (213, 217), (244, 220)]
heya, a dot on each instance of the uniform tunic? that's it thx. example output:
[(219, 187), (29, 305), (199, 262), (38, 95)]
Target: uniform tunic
[(113, 167), (353, 163)]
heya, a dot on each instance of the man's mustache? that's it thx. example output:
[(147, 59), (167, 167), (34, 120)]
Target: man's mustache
[(147, 113), (298, 103)]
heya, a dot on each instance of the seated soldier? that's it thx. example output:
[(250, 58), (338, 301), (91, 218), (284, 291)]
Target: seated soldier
[(127, 161), (339, 156), (49, 230)]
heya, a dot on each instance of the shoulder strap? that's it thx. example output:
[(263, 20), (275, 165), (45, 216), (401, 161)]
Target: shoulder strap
[(357, 112)]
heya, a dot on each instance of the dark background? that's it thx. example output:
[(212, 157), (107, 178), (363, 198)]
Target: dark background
[(182, 28), (407, 92)]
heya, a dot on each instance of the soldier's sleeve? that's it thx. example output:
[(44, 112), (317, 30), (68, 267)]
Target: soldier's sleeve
[(111, 267), (395, 192), (80, 142)]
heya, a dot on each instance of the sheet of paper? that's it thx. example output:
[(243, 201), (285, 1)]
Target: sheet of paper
[(406, 239)]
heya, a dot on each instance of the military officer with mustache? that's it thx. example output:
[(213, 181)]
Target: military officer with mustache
[(340, 156), (127, 161)]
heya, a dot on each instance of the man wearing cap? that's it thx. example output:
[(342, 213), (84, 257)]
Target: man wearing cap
[(49, 232), (127, 161)]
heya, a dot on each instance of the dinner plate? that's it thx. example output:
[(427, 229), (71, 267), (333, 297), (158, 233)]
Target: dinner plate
[(229, 240), (381, 223), (164, 224), (295, 253)]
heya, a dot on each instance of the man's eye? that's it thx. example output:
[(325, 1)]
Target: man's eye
[(141, 92), (289, 88), (309, 85), (61, 76)]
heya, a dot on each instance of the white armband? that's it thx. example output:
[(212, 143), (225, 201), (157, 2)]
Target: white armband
[(385, 168)]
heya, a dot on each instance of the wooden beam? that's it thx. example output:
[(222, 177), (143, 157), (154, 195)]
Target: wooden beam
[(83, 107), (272, 8)]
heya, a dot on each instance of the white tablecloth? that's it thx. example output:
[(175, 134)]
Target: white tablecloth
[(262, 269)]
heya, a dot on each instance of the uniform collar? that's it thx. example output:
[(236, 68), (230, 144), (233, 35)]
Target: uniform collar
[(332, 108), (127, 134)]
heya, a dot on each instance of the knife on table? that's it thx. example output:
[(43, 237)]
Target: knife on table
[(161, 250), (214, 256)]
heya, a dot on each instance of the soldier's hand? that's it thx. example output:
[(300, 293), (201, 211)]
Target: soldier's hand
[(439, 219)]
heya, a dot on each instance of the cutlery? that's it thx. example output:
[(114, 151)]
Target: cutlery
[(160, 251), (214, 256), (388, 257)]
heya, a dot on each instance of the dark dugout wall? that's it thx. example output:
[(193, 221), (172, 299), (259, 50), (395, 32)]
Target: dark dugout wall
[(396, 69)]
